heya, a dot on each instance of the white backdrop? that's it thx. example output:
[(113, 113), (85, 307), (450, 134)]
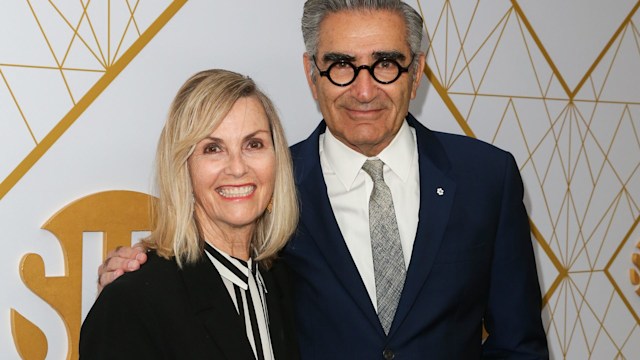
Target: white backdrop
[(111, 144)]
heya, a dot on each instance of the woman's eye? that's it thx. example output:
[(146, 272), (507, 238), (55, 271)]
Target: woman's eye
[(212, 148), (255, 144)]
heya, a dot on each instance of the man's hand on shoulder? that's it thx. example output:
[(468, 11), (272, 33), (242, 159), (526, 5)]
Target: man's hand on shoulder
[(119, 261)]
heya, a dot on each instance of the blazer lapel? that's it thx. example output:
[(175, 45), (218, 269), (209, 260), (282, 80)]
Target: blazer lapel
[(437, 191), (279, 306), (276, 327), (317, 217), (213, 307)]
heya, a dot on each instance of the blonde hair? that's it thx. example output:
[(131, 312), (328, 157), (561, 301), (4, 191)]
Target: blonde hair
[(199, 107)]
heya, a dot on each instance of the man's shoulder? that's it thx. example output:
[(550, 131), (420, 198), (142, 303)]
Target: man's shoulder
[(457, 141), (450, 142), (298, 147), (311, 140), (295, 148), (461, 153)]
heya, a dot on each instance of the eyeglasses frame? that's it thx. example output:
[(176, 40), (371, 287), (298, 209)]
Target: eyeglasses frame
[(369, 68)]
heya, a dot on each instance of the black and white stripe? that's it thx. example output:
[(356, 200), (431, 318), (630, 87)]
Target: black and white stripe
[(246, 289)]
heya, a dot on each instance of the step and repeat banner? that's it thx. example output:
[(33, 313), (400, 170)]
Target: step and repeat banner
[(85, 87)]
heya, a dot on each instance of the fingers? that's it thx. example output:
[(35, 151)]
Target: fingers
[(106, 278), (115, 262), (119, 261), (125, 252), (141, 255)]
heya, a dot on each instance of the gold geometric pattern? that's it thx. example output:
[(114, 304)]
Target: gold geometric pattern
[(577, 143), (73, 51), (503, 69)]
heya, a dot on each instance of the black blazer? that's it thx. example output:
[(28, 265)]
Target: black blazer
[(163, 312)]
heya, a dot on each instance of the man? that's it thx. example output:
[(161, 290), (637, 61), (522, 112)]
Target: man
[(407, 257)]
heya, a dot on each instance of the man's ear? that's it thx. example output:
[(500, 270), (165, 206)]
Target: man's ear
[(308, 67), (419, 70)]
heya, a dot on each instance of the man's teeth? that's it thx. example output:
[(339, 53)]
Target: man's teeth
[(236, 191)]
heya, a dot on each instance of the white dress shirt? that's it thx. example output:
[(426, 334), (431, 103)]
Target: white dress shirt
[(349, 188)]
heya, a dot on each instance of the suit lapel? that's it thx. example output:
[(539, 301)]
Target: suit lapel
[(435, 206), (317, 218), (437, 191), (213, 307)]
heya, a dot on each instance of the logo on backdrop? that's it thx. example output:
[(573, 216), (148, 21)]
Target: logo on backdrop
[(114, 213)]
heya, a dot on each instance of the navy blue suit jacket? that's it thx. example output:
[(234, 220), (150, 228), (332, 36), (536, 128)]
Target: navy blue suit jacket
[(472, 263)]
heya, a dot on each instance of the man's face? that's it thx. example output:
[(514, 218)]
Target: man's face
[(364, 115)]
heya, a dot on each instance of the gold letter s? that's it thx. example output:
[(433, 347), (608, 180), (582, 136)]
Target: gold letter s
[(114, 213)]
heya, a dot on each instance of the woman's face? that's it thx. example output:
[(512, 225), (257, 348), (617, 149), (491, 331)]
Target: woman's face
[(233, 170)]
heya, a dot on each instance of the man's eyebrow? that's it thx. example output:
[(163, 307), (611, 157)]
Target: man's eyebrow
[(334, 57), (391, 55)]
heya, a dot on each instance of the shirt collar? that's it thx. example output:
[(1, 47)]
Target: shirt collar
[(230, 268), (346, 162)]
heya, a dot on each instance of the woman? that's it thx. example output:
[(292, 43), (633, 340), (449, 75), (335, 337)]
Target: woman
[(212, 288)]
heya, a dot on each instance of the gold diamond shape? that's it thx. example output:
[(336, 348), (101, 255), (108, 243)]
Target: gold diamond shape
[(572, 146), (621, 268), (560, 29)]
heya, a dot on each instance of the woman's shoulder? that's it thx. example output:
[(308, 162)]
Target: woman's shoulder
[(156, 272), (128, 312)]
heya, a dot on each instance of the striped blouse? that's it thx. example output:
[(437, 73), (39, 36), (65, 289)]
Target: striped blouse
[(248, 293)]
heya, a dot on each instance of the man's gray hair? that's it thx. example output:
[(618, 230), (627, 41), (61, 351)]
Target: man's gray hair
[(316, 10)]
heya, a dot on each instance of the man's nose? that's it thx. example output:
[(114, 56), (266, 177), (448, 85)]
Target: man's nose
[(364, 86)]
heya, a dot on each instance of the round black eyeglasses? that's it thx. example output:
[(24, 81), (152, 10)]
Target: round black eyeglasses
[(383, 70)]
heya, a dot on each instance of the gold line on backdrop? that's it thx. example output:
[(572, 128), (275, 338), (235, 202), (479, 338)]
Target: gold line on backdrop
[(584, 233), (573, 242), (93, 213), (112, 70)]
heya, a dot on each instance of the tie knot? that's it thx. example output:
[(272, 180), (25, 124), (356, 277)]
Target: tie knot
[(374, 169)]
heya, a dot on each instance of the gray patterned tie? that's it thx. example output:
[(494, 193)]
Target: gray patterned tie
[(388, 261)]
